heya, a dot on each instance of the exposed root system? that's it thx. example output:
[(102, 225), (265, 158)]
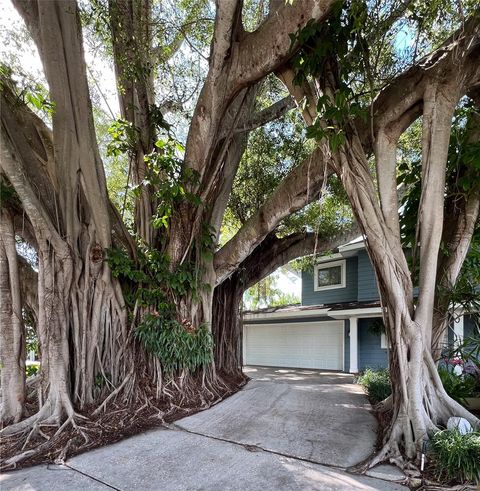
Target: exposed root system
[(47, 442)]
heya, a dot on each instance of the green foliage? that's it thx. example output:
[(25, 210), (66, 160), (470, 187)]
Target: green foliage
[(166, 174), (32, 93), (177, 346), (456, 456), (8, 194), (458, 387), (170, 180), (377, 327), (468, 349), (31, 338), (285, 299), (32, 369), (271, 153), (266, 294), (123, 137), (376, 383), (38, 98), (102, 378), (330, 46), (150, 281)]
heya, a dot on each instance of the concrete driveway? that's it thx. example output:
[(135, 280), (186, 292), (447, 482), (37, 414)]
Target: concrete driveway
[(287, 430), (318, 416)]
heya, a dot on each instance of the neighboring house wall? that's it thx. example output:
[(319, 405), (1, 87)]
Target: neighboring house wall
[(370, 352), (360, 286), (349, 293)]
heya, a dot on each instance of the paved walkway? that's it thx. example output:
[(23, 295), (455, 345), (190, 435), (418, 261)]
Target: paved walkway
[(286, 430)]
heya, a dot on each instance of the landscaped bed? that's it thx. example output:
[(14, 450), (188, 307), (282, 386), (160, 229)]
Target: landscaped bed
[(452, 457)]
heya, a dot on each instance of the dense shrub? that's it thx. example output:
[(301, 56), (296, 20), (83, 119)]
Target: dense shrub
[(456, 456), (376, 383)]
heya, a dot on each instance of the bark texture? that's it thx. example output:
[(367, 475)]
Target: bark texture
[(12, 346)]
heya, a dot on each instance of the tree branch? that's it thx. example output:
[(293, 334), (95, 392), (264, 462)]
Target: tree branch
[(56, 29), (401, 101), (271, 113), (300, 187), (31, 140), (261, 52), (275, 252)]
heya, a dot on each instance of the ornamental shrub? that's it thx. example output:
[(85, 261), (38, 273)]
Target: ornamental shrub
[(458, 387), (456, 456), (376, 383)]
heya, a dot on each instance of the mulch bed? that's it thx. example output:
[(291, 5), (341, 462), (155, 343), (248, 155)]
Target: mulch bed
[(114, 424)]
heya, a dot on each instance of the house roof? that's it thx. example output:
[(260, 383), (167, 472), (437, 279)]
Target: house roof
[(337, 310), (346, 250)]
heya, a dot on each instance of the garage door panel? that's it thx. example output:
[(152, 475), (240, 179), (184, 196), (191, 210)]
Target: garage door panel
[(302, 345)]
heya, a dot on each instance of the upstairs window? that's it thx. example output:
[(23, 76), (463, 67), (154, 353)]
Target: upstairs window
[(329, 276)]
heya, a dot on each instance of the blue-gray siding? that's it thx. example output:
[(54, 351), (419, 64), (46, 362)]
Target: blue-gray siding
[(370, 353), (361, 284), (367, 283), (347, 294)]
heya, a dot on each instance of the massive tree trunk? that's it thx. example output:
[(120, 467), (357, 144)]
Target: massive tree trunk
[(461, 219), (237, 60), (419, 399), (130, 23), (59, 179), (85, 341), (12, 346), (88, 355), (217, 134)]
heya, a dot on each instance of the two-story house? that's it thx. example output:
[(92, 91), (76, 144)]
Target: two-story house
[(338, 324)]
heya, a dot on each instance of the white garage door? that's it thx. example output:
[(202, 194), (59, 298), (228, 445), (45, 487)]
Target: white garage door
[(299, 345)]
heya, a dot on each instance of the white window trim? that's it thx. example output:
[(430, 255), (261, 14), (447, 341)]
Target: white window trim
[(331, 264)]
